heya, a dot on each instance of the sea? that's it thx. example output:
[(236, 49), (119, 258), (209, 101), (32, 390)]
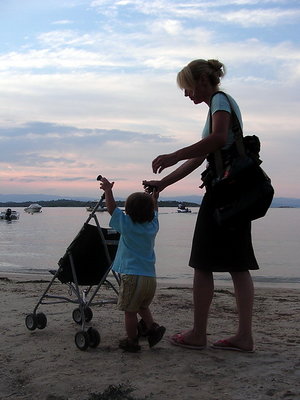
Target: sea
[(33, 244)]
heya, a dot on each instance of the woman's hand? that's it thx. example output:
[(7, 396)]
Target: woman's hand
[(164, 161)]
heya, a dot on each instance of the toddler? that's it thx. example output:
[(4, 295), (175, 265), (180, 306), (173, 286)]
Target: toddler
[(135, 262)]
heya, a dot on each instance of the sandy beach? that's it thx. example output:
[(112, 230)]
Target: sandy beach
[(45, 364)]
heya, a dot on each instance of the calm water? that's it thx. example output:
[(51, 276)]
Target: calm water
[(35, 243)]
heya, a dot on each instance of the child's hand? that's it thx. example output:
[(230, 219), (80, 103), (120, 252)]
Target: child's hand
[(105, 184)]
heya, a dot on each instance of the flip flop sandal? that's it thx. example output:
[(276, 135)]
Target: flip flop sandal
[(225, 344), (178, 340)]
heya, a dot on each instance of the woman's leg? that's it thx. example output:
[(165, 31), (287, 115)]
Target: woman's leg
[(244, 294), (203, 292)]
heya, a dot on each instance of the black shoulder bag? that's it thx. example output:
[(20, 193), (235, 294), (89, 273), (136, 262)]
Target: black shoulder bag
[(241, 190)]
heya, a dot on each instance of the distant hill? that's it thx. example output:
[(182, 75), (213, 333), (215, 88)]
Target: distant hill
[(285, 202), (276, 203), (16, 200), (35, 198), (182, 199), (78, 203)]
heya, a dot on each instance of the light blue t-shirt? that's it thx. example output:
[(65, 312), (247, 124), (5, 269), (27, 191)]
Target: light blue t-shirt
[(220, 103), (135, 254)]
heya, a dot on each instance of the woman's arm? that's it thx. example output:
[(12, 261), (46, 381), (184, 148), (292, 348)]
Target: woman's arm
[(175, 176), (216, 140), (181, 172)]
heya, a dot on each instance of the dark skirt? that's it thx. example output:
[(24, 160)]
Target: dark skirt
[(220, 249)]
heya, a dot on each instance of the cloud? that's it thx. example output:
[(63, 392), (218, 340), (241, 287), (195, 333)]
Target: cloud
[(81, 99), (227, 11), (66, 37), (40, 153), (63, 22), (259, 17), (46, 178), (169, 26), (160, 55), (67, 58), (48, 145)]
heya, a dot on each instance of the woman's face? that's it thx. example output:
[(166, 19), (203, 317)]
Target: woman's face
[(197, 95)]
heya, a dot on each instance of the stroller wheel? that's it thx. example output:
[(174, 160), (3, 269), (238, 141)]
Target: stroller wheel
[(94, 337), (88, 315), (77, 316), (82, 340), (41, 320), (31, 322)]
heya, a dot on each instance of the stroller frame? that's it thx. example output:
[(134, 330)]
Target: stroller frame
[(84, 299)]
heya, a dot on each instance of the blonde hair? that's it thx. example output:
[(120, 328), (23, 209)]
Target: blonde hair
[(214, 70)]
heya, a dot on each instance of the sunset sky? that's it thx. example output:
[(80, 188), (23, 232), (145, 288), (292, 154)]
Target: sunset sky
[(89, 87)]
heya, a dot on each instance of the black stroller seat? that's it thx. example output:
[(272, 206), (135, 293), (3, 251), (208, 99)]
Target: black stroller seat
[(88, 251)]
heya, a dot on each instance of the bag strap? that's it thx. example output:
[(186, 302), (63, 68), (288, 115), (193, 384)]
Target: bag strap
[(237, 133)]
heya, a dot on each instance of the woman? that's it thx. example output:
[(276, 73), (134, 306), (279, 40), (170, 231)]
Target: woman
[(214, 248)]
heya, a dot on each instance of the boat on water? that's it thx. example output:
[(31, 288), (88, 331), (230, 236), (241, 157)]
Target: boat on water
[(9, 215), (182, 209), (101, 206), (33, 208)]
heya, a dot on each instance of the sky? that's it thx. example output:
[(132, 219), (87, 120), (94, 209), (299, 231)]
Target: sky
[(88, 87)]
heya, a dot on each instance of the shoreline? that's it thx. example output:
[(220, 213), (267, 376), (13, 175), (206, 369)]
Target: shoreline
[(259, 282), (46, 364)]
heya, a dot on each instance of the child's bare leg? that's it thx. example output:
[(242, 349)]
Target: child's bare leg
[(153, 332), (146, 315), (131, 342), (131, 322)]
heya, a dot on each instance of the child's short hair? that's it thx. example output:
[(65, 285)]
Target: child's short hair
[(140, 207)]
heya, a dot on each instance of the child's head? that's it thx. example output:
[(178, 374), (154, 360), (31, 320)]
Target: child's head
[(140, 207)]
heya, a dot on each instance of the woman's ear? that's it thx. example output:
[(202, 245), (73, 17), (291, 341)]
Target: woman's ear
[(203, 80)]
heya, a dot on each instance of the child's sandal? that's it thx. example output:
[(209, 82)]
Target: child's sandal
[(142, 328), (155, 334), (130, 345)]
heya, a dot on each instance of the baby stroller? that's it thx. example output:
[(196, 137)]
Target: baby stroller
[(86, 262)]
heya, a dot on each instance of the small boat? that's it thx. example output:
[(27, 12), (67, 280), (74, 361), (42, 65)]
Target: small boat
[(33, 208), (101, 207), (182, 209), (9, 215)]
